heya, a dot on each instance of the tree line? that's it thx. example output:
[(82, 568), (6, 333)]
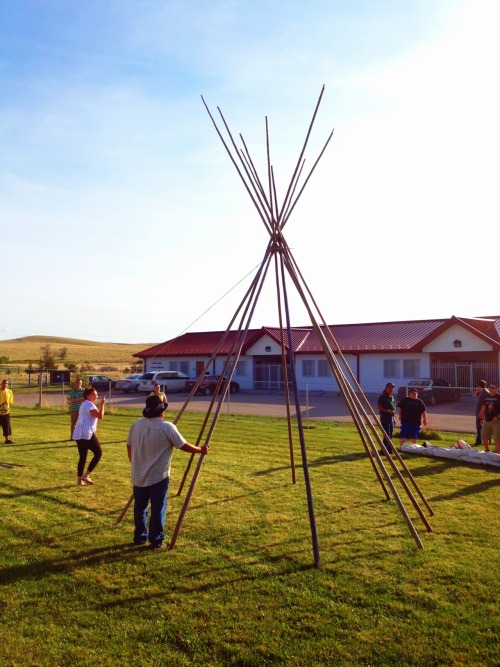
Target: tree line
[(50, 358)]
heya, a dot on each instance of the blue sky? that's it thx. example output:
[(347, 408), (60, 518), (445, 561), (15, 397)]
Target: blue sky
[(123, 219)]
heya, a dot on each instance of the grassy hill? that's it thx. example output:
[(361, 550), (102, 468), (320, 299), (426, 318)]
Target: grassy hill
[(20, 351)]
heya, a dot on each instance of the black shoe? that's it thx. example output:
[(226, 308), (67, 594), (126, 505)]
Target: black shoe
[(9, 442), (139, 543), (157, 545)]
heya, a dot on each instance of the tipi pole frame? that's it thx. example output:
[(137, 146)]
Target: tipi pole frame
[(274, 219), (346, 390)]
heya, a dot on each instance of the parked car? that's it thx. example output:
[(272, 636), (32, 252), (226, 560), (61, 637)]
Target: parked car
[(431, 391), (168, 381), (130, 383), (209, 383), (100, 382)]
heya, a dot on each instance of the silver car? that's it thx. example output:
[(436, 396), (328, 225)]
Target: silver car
[(168, 381), (130, 383)]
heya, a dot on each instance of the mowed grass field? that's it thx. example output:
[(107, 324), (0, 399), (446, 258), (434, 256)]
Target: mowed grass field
[(240, 587)]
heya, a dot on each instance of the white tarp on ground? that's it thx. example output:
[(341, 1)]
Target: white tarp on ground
[(465, 455)]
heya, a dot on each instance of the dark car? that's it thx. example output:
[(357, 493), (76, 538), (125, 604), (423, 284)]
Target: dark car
[(99, 382), (431, 391), (209, 383)]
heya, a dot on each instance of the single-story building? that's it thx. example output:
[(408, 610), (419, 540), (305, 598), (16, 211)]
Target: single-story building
[(459, 350)]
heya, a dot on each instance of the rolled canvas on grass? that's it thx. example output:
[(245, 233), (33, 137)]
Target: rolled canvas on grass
[(465, 455)]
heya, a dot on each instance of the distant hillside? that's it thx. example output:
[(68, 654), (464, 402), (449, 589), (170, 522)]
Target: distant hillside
[(56, 340), (26, 349)]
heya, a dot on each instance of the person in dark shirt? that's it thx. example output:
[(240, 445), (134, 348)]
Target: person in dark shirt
[(490, 412), (412, 413), (387, 410), (480, 393)]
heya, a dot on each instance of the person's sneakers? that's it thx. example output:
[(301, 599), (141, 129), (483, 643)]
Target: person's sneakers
[(139, 543), (80, 482), (9, 441), (156, 545), (87, 479)]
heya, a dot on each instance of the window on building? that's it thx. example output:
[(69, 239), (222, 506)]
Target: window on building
[(241, 368), (411, 368), (173, 365), (184, 367), (308, 368), (392, 368), (324, 370)]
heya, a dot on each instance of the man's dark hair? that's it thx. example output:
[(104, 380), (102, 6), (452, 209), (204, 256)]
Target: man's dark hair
[(482, 383)]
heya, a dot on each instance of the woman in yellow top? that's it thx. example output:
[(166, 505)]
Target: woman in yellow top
[(158, 392)]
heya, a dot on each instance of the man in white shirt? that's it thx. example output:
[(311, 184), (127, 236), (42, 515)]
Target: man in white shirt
[(150, 446)]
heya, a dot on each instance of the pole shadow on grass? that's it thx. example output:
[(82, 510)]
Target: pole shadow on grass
[(437, 466), (468, 490), (313, 463), (45, 494), (237, 573), (35, 446), (65, 444), (37, 570)]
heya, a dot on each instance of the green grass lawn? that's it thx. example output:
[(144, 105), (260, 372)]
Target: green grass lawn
[(240, 587)]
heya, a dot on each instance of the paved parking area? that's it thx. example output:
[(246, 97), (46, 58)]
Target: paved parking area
[(455, 417)]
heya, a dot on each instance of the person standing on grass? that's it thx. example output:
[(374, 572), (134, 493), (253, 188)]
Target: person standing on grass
[(150, 445), (412, 413), (386, 405), (6, 400), (158, 392), (480, 393), (490, 412), (85, 434), (75, 401)]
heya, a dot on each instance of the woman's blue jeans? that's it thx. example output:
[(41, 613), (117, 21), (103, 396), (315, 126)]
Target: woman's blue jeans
[(156, 494)]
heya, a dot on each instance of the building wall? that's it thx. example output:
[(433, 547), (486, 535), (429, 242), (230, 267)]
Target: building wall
[(373, 370), (243, 373), (314, 373), (264, 346), (376, 370), (470, 342)]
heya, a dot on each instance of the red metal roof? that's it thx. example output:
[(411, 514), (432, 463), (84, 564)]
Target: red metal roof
[(408, 336), (201, 343)]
